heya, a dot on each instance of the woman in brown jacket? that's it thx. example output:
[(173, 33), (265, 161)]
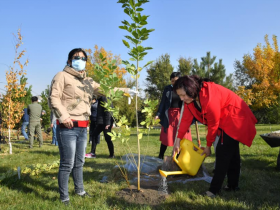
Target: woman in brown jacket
[(70, 98)]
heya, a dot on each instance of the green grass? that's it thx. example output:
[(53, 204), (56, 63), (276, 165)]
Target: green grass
[(259, 181)]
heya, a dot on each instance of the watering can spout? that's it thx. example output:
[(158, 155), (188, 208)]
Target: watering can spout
[(189, 160), (167, 173)]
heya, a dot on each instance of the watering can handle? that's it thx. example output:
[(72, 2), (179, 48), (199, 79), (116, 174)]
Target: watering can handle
[(198, 149), (197, 134), (175, 158)]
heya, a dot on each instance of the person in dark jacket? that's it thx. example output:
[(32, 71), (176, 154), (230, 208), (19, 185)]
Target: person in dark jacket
[(0, 128), (104, 123), (25, 124), (93, 119), (169, 114)]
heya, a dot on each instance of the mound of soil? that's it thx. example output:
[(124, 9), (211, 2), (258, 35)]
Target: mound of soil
[(273, 134), (150, 192), (147, 195)]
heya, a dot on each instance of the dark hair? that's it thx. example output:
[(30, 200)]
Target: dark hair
[(191, 84), (93, 97), (73, 52), (175, 74), (34, 98)]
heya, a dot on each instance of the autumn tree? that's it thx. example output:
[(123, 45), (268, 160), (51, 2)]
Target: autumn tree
[(11, 105), (94, 58), (264, 69), (158, 76)]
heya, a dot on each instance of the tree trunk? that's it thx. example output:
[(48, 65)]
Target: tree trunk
[(138, 141), (10, 144)]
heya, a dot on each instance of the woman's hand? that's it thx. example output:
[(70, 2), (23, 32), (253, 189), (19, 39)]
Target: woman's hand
[(107, 126), (156, 117), (68, 123), (206, 151), (176, 148)]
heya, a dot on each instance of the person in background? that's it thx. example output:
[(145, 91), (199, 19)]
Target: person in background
[(34, 111), (229, 121), (104, 123), (25, 124), (93, 118), (0, 128), (54, 128), (169, 114)]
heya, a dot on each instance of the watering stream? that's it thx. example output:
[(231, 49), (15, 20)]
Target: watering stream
[(163, 188)]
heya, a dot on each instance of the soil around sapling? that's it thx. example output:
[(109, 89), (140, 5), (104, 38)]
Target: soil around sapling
[(148, 195)]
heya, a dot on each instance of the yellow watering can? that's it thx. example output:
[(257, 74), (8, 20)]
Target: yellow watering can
[(189, 160)]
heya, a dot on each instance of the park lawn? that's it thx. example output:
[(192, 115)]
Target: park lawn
[(259, 181)]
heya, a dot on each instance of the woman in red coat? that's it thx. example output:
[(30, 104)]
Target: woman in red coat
[(227, 117)]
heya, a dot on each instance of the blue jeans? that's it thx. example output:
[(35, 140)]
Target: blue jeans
[(54, 139), (23, 127), (72, 148)]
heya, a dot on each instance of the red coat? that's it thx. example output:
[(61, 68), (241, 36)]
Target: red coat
[(220, 109)]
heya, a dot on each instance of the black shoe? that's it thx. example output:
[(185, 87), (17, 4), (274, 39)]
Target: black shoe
[(228, 189), (160, 157), (112, 156), (86, 195), (66, 203)]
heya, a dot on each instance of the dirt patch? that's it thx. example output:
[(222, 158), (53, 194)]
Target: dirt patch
[(147, 195), (154, 188), (150, 184)]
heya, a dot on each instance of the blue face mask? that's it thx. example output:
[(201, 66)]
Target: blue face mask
[(78, 65)]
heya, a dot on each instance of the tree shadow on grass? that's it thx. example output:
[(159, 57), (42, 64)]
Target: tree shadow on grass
[(4, 169), (33, 184), (256, 162), (99, 171), (48, 153)]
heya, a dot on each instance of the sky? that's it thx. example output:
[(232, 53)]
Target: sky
[(229, 29)]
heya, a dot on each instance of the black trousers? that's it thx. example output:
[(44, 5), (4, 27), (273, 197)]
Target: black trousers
[(92, 138), (162, 151), (227, 163), (97, 130)]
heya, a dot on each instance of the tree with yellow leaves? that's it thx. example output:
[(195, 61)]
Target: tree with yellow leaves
[(12, 107), (263, 67), (94, 58)]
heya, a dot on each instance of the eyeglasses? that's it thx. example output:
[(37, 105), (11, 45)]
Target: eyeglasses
[(80, 58)]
